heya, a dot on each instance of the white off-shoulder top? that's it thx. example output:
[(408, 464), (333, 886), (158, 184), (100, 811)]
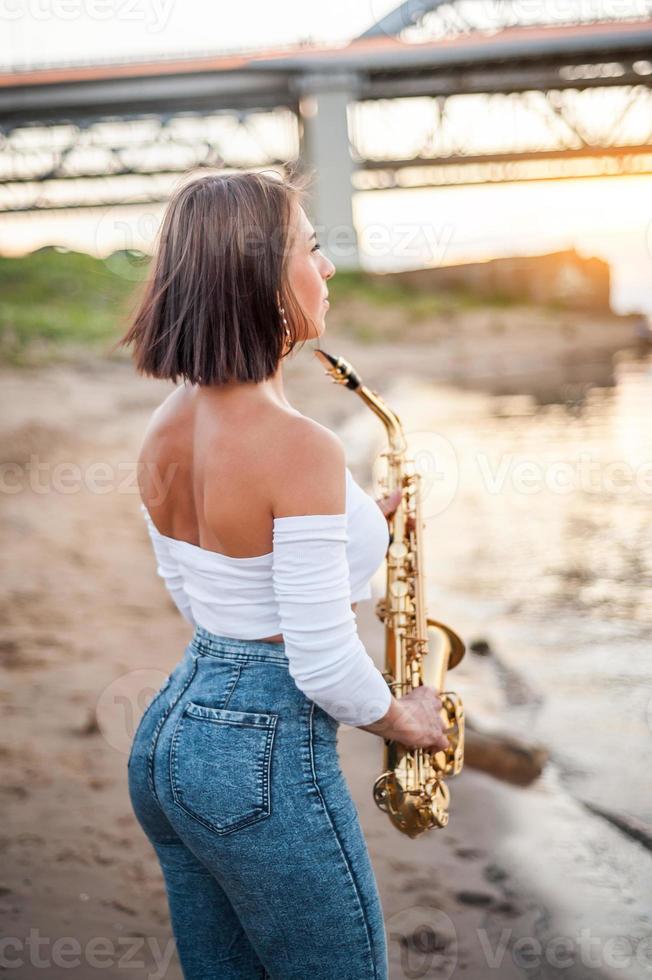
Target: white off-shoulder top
[(302, 589)]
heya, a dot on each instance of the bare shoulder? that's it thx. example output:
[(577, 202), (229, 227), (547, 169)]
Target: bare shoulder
[(169, 409), (165, 435), (309, 470)]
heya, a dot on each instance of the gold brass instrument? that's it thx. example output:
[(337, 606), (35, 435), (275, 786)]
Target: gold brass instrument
[(418, 649)]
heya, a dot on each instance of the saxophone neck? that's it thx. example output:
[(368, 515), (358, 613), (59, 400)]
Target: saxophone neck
[(343, 373)]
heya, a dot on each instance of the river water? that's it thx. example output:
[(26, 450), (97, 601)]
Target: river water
[(538, 537)]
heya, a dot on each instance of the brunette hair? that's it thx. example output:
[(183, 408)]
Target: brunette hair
[(210, 312)]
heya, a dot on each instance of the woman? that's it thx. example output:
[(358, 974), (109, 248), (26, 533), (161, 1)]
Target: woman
[(265, 542)]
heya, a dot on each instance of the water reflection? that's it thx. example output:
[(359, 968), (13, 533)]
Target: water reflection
[(552, 508)]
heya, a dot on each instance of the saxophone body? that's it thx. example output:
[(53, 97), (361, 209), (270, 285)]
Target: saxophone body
[(412, 789)]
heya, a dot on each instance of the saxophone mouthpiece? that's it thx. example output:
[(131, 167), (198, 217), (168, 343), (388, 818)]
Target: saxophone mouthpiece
[(328, 358), (341, 371)]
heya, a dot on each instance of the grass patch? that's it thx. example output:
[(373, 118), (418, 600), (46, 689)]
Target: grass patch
[(56, 304), (52, 301), (415, 304)]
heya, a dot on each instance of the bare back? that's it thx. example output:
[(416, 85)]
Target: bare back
[(210, 469)]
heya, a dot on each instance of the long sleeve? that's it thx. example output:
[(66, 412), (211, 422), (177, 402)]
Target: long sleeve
[(167, 568), (327, 658)]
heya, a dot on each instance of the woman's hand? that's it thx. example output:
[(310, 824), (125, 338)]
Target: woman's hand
[(416, 720), (390, 502)]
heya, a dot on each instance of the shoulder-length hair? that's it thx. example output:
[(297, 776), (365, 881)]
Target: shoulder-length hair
[(210, 311)]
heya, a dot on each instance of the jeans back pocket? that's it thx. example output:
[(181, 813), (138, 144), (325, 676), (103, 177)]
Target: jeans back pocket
[(220, 766)]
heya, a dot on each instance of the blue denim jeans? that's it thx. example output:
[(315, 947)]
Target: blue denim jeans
[(234, 777)]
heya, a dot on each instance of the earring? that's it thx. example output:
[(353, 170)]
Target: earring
[(285, 323)]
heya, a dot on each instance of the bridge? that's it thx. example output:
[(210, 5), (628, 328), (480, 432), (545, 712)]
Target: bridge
[(78, 135)]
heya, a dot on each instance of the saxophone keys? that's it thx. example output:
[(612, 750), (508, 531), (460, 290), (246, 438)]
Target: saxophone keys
[(387, 792), (399, 588), (398, 550), (439, 801)]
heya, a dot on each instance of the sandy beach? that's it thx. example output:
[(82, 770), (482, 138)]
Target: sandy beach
[(522, 883)]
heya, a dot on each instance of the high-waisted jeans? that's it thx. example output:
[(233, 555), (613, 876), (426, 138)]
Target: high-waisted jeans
[(234, 777)]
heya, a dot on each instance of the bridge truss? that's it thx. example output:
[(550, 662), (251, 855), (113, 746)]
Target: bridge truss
[(540, 120)]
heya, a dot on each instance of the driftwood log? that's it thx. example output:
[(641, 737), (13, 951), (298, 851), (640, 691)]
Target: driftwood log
[(503, 756), (631, 826)]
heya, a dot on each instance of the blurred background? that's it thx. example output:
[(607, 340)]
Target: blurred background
[(482, 180)]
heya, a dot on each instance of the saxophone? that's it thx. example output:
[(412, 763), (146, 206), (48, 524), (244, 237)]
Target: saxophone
[(418, 649)]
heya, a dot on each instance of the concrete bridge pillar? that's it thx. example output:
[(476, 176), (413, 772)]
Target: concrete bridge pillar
[(325, 153)]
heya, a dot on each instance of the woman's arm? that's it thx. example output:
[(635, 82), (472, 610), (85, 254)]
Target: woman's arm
[(311, 575)]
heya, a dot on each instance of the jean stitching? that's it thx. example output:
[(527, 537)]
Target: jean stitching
[(157, 731), (231, 722), (241, 657), (234, 681), (238, 654), (159, 694), (263, 783), (337, 838), (267, 765)]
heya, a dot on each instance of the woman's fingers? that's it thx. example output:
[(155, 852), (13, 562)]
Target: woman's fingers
[(390, 502)]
